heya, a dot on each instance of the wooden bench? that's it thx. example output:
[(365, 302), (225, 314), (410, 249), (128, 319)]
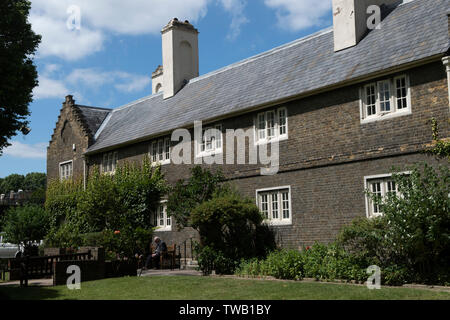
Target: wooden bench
[(41, 267), (167, 258)]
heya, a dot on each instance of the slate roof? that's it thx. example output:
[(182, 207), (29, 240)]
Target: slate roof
[(93, 117), (412, 31)]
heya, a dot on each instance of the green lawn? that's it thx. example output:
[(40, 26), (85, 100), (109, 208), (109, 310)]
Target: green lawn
[(206, 288)]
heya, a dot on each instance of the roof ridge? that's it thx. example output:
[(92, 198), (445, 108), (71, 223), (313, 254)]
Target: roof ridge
[(97, 108), (137, 101)]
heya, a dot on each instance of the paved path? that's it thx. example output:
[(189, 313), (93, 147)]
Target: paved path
[(150, 273), (31, 283)]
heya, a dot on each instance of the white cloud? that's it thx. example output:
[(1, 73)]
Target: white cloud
[(236, 8), (122, 81), (26, 151), (49, 88), (100, 17), (59, 41), (300, 14)]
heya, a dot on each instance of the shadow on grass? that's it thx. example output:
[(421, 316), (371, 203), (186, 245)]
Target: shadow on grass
[(30, 293)]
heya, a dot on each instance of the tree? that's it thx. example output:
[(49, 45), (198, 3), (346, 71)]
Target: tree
[(186, 195), (18, 44), (13, 182), (34, 181), (25, 224), (31, 182)]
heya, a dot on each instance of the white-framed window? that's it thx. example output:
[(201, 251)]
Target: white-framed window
[(379, 186), (275, 205), (385, 99), (160, 151), (160, 219), (211, 142), (65, 170), (271, 125), (109, 163)]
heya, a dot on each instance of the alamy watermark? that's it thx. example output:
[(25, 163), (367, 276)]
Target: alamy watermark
[(374, 20), (209, 148), (74, 279), (73, 22), (374, 280)]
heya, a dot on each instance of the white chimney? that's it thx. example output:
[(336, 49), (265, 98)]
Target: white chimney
[(180, 56), (350, 20)]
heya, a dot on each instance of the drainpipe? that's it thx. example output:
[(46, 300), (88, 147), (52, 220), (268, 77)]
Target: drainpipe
[(84, 173), (446, 62)]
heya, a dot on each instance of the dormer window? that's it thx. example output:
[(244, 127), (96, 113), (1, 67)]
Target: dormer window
[(385, 99)]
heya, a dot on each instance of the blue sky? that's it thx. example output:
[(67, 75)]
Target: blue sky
[(108, 62)]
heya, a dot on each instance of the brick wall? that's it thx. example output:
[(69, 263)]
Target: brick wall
[(328, 153), (68, 132)]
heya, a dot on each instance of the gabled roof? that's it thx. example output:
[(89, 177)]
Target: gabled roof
[(413, 31), (92, 117)]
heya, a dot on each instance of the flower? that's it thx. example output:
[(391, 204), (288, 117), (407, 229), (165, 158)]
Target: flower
[(117, 232)]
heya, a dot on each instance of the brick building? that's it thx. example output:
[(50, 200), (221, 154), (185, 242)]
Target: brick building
[(345, 105)]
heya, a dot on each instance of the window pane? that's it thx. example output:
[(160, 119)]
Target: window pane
[(265, 206), (376, 190), (219, 137), (371, 100), (282, 121), (161, 150), (161, 216), (401, 91), (154, 152), (285, 199), (167, 149), (261, 126), (270, 124), (385, 96), (274, 205)]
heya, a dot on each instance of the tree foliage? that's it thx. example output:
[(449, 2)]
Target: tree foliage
[(26, 224), (18, 44), (117, 207), (231, 228), (413, 235), (31, 182), (188, 194)]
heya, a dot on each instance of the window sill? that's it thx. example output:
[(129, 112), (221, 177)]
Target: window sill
[(162, 163), (206, 154), (386, 116), (278, 223), (265, 141), (163, 229)]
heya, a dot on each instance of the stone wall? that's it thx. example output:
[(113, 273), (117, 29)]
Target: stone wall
[(68, 132)]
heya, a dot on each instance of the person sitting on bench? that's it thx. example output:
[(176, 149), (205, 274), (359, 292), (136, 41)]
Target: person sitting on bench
[(154, 257)]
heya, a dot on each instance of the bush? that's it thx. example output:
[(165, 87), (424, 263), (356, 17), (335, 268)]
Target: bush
[(187, 195), (122, 202), (411, 241), (233, 228)]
